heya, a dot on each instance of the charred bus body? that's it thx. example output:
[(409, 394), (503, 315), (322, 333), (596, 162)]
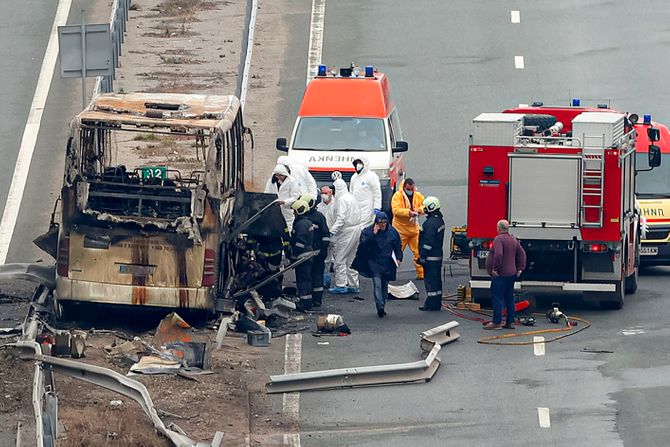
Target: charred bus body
[(148, 201)]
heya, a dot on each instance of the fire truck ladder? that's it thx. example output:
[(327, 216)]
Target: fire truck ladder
[(593, 188)]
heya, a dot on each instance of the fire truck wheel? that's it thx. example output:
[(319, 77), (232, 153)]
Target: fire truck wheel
[(631, 282), (541, 121), (482, 297), (613, 300)]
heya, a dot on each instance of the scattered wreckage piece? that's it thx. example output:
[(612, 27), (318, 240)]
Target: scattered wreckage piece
[(332, 323), (407, 291), (302, 258), (36, 273), (440, 335), (370, 375)]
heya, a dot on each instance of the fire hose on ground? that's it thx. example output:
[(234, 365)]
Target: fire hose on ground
[(568, 330)]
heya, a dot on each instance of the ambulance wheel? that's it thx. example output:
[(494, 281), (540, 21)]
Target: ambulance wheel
[(542, 122)]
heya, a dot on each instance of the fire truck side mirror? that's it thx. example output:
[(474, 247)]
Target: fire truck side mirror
[(281, 145), (400, 146), (654, 156), (653, 134)]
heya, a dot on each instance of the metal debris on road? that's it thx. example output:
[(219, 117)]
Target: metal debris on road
[(407, 291), (422, 370), (332, 323)]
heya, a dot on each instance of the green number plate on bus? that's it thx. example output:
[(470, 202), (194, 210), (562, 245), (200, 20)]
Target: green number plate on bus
[(154, 172)]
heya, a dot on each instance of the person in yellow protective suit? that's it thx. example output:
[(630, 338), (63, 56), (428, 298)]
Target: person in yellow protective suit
[(406, 206)]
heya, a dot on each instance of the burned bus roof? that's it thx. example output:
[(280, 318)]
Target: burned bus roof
[(174, 110)]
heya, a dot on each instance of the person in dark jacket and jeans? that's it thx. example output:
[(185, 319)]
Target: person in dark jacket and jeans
[(505, 262), (302, 242), (321, 243), (378, 256), (431, 239)]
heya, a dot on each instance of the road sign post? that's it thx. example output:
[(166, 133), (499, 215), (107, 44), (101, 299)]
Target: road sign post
[(85, 50)]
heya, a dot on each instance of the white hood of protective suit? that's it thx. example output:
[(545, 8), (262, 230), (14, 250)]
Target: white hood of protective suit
[(281, 170), (340, 187), (366, 164)]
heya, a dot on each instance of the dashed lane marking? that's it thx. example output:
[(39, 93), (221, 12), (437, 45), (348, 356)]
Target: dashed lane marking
[(515, 16), (518, 63), (538, 345), (291, 401), (543, 417)]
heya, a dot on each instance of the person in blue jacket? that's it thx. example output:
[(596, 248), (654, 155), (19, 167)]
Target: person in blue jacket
[(378, 256)]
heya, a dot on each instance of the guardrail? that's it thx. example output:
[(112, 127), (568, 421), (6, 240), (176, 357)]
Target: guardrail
[(430, 344), (117, 28)]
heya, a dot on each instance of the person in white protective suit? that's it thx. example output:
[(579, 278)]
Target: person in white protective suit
[(300, 174), (287, 190), (345, 232), (367, 189), (327, 207)]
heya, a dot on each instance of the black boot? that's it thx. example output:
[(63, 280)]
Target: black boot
[(381, 312)]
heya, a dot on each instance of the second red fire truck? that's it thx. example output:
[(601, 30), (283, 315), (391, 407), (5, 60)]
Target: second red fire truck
[(564, 177)]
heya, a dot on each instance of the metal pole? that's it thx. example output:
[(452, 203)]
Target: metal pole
[(83, 59)]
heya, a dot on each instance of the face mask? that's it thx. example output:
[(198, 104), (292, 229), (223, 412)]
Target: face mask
[(359, 167), (409, 192), (325, 198)]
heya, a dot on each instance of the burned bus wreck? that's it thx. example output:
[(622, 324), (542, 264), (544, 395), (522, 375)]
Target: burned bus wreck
[(148, 203)]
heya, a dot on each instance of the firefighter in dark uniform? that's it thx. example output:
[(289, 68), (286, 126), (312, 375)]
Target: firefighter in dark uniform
[(302, 241), (321, 242), (431, 239)]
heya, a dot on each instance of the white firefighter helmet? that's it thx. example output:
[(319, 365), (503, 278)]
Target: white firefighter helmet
[(431, 204)]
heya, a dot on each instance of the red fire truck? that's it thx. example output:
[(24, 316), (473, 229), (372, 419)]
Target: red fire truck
[(564, 177)]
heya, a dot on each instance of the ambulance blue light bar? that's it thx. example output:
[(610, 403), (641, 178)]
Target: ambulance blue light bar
[(369, 71), (647, 119), (322, 70), (576, 102)]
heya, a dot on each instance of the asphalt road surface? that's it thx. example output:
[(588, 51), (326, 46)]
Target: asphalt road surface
[(448, 62), (24, 34)]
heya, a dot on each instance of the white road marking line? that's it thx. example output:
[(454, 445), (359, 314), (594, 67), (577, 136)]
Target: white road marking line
[(518, 63), (632, 331), (291, 401), (543, 417), (515, 16), (538, 345), (292, 440), (25, 155), (315, 37)]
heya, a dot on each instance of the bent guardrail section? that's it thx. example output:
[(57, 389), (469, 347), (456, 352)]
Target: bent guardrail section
[(421, 370)]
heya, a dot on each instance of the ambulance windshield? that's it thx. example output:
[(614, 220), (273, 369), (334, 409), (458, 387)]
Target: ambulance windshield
[(340, 134), (654, 183)]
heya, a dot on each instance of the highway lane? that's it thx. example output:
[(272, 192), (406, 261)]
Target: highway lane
[(24, 33), (448, 62), (30, 25)]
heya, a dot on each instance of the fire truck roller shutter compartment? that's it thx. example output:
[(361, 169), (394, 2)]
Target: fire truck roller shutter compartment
[(542, 191)]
